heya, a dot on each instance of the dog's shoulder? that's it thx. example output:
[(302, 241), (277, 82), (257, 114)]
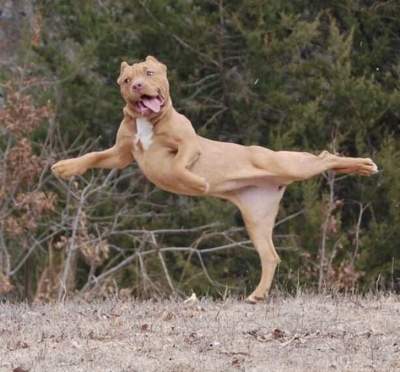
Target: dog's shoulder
[(183, 124)]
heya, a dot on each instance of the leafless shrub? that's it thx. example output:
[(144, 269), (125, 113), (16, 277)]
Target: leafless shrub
[(21, 204)]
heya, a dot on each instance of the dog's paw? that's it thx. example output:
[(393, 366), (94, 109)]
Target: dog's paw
[(206, 187), (254, 299), (203, 187), (374, 167), (367, 167), (68, 168)]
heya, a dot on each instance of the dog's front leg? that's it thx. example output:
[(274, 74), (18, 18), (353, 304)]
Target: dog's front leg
[(100, 159), (188, 154), (119, 156), (71, 167), (116, 157)]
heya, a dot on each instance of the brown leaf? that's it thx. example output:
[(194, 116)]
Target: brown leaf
[(20, 369), (21, 345), (278, 334), (145, 327), (168, 315), (5, 284), (236, 362), (259, 336)]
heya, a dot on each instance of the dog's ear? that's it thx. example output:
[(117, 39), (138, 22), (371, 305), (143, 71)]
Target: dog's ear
[(124, 65), (155, 60), (152, 59)]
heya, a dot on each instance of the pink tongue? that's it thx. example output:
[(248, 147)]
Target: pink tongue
[(153, 103)]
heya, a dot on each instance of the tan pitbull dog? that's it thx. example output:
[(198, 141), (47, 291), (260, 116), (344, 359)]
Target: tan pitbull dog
[(176, 159)]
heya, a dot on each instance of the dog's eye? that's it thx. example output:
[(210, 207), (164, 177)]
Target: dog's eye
[(127, 80), (149, 73)]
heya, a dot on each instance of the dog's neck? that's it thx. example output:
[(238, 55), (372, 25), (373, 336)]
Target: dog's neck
[(145, 126)]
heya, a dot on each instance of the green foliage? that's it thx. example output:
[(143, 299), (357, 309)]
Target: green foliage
[(282, 74)]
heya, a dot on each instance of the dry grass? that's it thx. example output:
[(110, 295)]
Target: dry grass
[(306, 333)]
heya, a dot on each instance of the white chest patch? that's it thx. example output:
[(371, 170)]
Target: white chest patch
[(144, 132)]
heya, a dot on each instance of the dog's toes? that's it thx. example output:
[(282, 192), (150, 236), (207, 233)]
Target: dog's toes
[(66, 169), (374, 168), (369, 166), (203, 186), (57, 169), (253, 299), (368, 169)]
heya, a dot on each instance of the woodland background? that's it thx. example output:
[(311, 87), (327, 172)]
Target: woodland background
[(293, 75)]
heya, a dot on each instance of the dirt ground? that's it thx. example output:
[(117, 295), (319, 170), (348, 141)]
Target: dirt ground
[(304, 333)]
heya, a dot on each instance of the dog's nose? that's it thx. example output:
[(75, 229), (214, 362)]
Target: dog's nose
[(137, 85)]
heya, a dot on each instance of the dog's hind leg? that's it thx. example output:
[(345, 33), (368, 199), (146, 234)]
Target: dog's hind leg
[(259, 206), (289, 166)]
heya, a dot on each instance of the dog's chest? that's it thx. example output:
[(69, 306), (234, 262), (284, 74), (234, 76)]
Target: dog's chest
[(144, 132)]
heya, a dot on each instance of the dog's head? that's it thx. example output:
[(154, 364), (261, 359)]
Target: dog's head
[(144, 86)]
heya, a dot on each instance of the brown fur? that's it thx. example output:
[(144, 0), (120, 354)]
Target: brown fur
[(180, 161)]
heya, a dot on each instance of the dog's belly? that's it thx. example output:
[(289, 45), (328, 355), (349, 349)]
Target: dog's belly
[(225, 166), (229, 167)]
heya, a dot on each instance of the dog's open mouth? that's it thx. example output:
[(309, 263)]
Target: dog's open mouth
[(149, 104)]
